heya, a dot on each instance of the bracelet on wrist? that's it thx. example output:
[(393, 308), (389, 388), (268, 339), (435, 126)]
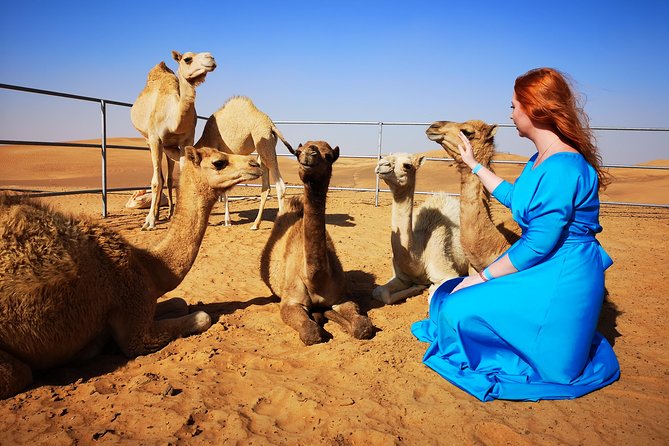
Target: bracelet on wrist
[(486, 274), (482, 276), (476, 168)]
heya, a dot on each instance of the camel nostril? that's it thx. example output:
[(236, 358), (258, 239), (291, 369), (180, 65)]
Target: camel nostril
[(254, 164)]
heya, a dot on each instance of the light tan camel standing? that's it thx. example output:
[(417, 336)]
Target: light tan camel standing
[(482, 237), (67, 284), (239, 127), (299, 262), (164, 113), (425, 242)]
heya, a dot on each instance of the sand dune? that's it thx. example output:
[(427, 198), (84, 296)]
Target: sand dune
[(249, 380)]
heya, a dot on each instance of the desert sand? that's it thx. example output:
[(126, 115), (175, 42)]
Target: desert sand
[(249, 379)]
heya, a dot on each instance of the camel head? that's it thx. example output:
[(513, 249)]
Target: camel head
[(315, 160), (480, 135), (220, 171), (399, 169), (194, 66)]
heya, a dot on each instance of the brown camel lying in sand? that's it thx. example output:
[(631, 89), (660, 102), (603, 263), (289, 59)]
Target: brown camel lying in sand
[(299, 263), (68, 284)]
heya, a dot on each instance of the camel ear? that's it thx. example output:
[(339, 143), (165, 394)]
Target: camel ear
[(493, 130), (335, 154), (176, 55), (419, 161), (193, 155)]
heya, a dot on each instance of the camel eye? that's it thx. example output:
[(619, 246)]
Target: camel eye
[(407, 166), (188, 60), (467, 133), (220, 164)]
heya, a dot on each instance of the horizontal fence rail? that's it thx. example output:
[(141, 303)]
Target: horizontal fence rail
[(103, 146)]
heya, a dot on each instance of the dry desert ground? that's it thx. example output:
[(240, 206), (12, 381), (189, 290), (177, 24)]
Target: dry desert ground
[(249, 379)]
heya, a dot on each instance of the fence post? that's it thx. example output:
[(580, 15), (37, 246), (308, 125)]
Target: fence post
[(103, 106), (378, 157)]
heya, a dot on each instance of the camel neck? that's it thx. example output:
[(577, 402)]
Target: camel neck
[(186, 106), (480, 237), (402, 222), (174, 256), (315, 244)]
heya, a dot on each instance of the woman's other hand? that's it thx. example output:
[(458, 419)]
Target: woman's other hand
[(466, 151), (467, 282)]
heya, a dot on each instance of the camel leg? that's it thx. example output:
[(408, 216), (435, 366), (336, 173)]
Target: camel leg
[(138, 335), (266, 149), (263, 195), (396, 290), (170, 176), (297, 317), (15, 375), (156, 183), (348, 316), (226, 221)]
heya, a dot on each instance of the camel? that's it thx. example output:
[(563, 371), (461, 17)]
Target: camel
[(299, 263), (68, 284), (426, 247), (239, 127), (483, 240), (164, 113)]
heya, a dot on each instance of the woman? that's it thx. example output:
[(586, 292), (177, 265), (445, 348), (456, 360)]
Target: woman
[(524, 328)]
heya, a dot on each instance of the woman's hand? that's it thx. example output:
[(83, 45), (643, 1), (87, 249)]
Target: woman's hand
[(466, 151), (467, 282)]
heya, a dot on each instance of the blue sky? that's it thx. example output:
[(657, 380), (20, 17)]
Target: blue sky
[(417, 61)]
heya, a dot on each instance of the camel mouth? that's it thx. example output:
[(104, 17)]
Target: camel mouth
[(383, 171), (436, 137)]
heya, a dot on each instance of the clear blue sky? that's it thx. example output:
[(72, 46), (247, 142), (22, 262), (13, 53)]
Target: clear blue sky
[(342, 60)]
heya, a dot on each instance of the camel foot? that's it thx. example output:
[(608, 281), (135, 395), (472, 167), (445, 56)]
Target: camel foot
[(362, 328), (14, 375), (200, 322), (311, 333)]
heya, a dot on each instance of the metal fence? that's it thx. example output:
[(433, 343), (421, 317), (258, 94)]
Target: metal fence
[(103, 146)]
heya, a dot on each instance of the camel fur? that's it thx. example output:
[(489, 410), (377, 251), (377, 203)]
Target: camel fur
[(164, 113), (68, 284), (299, 262), (425, 242), (239, 127), (482, 238)]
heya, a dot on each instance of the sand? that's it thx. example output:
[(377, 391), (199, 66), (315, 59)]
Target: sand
[(249, 380)]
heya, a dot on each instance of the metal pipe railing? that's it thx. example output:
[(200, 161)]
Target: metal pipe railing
[(103, 146)]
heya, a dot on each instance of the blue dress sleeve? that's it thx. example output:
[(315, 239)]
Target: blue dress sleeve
[(504, 193), (549, 211)]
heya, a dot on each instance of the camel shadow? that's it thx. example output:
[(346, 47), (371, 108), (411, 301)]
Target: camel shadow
[(217, 309), (608, 320), (360, 287), (249, 215)]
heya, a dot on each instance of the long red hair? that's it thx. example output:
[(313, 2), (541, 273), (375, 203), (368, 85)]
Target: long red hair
[(548, 98)]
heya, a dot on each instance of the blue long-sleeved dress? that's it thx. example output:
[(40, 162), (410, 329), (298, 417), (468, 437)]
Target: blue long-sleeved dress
[(532, 335)]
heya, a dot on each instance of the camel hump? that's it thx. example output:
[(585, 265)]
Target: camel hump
[(159, 72)]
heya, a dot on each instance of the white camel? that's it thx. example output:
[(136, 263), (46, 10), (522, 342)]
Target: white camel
[(426, 242)]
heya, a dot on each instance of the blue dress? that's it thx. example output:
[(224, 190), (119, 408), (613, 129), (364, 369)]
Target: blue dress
[(532, 335)]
